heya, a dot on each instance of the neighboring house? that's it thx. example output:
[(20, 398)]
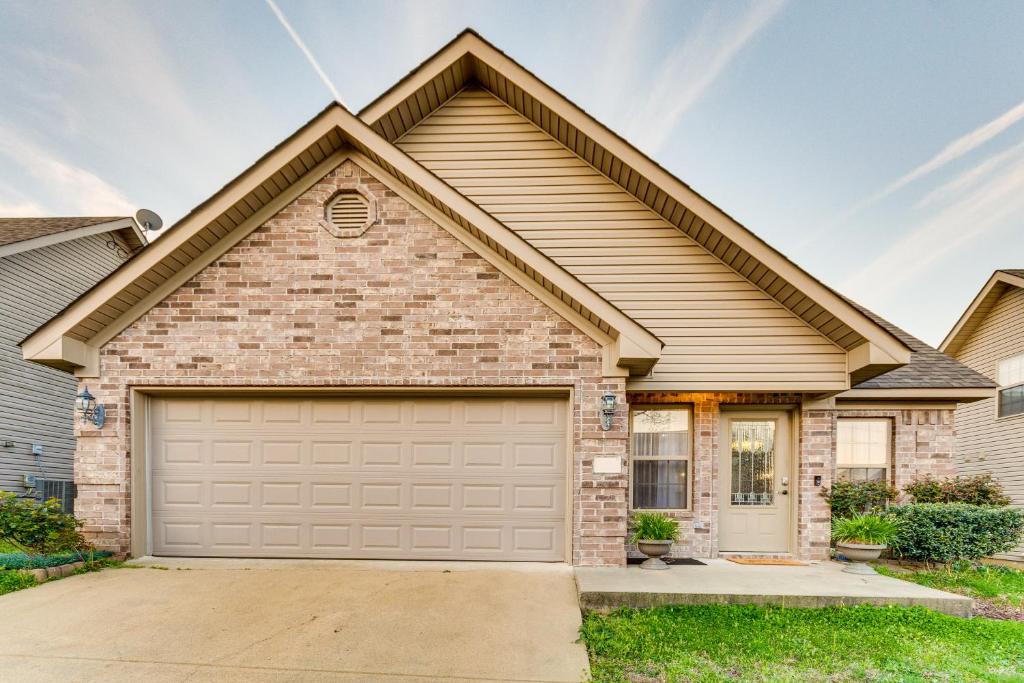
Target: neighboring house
[(398, 333), (989, 337), (45, 264)]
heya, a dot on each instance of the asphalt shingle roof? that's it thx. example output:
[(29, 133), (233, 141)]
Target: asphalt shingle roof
[(928, 368), (14, 230)]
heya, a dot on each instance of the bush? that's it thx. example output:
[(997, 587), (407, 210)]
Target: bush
[(948, 532), (41, 528), (15, 581), (868, 529), (851, 498), (24, 561), (979, 489), (654, 526)]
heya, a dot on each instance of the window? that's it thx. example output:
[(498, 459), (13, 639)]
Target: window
[(660, 451), (1010, 376), (862, 450)]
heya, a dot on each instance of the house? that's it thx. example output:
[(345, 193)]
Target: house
[(45, 264), (470, 322), (989, 337)]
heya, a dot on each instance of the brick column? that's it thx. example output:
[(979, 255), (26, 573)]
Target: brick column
[(601, 509), (816, 456)]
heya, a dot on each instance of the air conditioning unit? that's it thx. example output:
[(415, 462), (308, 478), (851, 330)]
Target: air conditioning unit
[(61, 489)]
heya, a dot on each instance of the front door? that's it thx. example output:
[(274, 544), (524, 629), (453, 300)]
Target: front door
[(755, 488)]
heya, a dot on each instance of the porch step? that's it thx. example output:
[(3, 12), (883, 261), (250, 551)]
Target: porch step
[(822, 584), (757, 556)]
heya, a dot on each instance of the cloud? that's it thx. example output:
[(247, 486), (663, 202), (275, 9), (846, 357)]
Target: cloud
[(991, 194), (969, 178), (21, 209), (305, 51), (691, 69), (67, 189), (951, 152)]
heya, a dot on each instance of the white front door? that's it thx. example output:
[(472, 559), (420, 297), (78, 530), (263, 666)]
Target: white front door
[(754, 482)]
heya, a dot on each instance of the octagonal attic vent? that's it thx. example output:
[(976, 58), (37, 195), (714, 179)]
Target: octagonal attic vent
[(348, 214)]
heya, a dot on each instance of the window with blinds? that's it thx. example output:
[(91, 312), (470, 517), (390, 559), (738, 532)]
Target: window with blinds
[(660, 458)]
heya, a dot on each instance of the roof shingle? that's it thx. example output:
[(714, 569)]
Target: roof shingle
[(928, 368), (13, 230)]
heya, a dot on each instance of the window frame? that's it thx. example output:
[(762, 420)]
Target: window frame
[(688, 409), (1004, 387), (889, 458)]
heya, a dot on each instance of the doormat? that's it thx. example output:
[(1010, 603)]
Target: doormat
[(667, 560), (767, 560)]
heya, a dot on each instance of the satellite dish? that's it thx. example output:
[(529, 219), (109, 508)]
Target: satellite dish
[(149, 220)]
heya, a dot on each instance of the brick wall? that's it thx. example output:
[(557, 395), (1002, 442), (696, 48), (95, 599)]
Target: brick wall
[(402, 304)]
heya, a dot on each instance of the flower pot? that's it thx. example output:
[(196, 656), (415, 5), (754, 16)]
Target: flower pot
[(654, 550), (858, 554)]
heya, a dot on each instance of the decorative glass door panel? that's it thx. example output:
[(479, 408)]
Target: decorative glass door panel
[(752, 443)]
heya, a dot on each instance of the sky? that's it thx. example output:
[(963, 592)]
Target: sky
[(878, 145)]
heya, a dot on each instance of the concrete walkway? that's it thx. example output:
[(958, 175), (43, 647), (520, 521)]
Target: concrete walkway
[(211, 620), (819, 584)]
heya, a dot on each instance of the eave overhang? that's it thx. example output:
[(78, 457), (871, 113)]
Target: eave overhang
[(980, 307), (957, 394), (71, 340), (125, 228)]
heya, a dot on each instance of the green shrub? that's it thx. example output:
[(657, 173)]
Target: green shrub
[(979, 489), (849, 498), (41, 528), (947, 532), (654, 526), (15, 581), (868, 529)]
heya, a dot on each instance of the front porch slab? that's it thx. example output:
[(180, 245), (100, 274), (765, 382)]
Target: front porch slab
[(821, 584)]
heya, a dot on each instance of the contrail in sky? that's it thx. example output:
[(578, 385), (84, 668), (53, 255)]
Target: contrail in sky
[(305, 50)]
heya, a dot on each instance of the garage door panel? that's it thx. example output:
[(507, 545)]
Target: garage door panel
[(212, 453), (397, 538), (463, 478), (360, 494)]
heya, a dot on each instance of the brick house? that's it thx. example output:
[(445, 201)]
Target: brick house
[(472, 323)]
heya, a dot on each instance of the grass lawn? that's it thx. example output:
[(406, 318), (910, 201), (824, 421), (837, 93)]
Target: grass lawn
[(998, 591), (743, 642)]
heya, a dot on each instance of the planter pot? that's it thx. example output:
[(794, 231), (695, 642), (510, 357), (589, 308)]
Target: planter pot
[(654, 550), (858, 554)]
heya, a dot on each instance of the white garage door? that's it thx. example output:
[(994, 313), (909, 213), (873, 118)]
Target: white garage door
[(417, 478)]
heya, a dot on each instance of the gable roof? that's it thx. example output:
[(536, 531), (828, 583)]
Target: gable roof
[(928, 368), (994, 288), (72, 339), (469, 59), (23, 234)]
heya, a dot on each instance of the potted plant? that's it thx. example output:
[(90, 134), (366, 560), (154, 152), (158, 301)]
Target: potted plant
[(654, 533), (863, 537)]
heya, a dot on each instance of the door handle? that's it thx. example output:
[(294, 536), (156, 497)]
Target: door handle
[(784, 492)]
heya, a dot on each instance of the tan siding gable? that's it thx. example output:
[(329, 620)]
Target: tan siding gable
[(720, 331), (986, 445)]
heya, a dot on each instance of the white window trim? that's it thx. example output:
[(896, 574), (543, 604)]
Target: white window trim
[(1004, 387), (687, 458), (889, 428)]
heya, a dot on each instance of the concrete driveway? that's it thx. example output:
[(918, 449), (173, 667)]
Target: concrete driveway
[(225, 620)]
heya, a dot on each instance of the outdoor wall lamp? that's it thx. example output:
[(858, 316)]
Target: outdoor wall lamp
[(85, 404), (607, 410)]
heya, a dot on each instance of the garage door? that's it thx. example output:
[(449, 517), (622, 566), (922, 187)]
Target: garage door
[(416, 478)]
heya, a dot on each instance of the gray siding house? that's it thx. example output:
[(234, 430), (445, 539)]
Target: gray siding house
[(45, 264), (989, 338)]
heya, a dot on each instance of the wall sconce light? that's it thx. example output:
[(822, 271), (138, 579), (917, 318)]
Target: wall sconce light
[(90, 411), (607, 411)]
